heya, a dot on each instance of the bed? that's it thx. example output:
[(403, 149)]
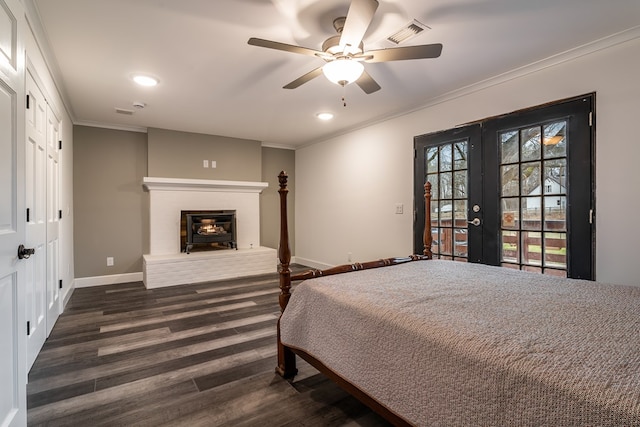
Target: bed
[(431, 342)]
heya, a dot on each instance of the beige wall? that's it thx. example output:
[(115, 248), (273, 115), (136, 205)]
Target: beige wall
[(174, 154), (275, 160), (111, 208)]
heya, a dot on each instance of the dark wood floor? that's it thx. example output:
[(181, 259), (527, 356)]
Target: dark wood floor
[(194, 355)]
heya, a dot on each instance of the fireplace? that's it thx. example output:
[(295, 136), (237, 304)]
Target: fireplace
[(207, 230), (167, 263)]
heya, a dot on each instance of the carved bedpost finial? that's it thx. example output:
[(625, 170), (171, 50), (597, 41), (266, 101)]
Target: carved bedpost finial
[(427, 237), (282, 178)]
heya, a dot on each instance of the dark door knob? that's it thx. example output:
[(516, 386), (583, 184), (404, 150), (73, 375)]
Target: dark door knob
[(24, 253)]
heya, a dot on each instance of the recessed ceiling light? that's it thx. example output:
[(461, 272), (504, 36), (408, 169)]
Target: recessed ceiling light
[(145, 80), (324, 116)]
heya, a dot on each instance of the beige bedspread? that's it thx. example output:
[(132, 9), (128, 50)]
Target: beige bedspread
[(454, 344)]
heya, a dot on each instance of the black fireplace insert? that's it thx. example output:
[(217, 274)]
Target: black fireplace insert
[(207, 230)]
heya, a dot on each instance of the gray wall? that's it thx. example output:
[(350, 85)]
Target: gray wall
[(110, 206), (112, 209), (275, 160), (174, 154)]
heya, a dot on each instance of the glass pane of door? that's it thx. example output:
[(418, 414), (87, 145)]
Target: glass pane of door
[(446, 165), (533, 197)]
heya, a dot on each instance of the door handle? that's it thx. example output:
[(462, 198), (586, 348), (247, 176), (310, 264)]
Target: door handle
[(24, 253), (475, 221)]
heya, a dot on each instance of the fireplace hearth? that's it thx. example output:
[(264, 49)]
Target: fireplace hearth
[(207, 230)]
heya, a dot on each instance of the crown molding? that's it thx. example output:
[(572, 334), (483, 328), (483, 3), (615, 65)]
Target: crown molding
[(140, 129), (34, 23), (278, 146)]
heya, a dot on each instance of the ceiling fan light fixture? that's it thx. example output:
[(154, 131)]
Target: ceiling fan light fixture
[(343, 71)]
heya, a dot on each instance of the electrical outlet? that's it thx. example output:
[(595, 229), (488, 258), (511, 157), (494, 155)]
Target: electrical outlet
[(109, 261), (348, 256), (213, 164), (399, 208), (205, 163)]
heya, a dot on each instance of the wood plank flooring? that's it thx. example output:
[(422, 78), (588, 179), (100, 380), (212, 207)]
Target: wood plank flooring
[(193, 355)]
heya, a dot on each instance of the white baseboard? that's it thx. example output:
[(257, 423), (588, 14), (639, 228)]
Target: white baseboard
[(67, 296), (292, 261), (311, 263), (112, 279)]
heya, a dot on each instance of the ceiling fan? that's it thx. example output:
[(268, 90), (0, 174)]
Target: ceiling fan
[(344, 53)]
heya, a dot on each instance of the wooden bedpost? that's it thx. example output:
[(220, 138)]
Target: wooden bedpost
[(286, 358), (427, 238)]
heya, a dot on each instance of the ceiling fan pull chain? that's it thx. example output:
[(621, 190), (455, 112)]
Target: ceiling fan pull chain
[(344, 95)]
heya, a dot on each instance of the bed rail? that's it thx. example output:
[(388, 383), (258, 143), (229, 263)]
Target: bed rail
[(286, 358)]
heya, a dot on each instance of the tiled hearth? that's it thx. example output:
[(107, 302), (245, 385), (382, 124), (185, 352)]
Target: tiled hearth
[(166, 265)]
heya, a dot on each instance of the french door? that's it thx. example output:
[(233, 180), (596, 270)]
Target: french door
[(452, 162), (42, 212), (515, 191)]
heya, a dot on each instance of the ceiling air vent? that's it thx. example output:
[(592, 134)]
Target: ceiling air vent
[(407, 32), (124, 111)]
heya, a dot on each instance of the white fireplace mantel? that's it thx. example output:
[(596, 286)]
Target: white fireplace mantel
[(181, 184), (169, 196)]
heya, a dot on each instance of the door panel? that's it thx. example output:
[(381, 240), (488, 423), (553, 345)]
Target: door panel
[(12, 356), (447, 160), (539, 191), (36, 226), (53, 219), (13, 374)]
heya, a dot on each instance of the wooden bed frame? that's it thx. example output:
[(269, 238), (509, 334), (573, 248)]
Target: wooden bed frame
[(286, 355)]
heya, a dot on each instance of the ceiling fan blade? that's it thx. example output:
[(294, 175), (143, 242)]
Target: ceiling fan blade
[(303, 79), (358, 20), (367, 84), (408, 52), (283, 46)]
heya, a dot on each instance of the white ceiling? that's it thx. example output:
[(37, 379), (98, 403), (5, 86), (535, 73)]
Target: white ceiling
[(212, 81)]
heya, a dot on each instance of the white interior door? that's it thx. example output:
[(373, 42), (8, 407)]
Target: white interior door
[(36, 217), (13, 373), (53, 218)]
